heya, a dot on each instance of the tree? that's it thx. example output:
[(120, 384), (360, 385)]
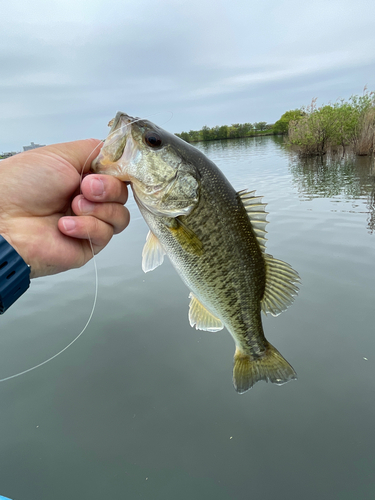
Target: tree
[(184, 136), (233, 131), (206, 133), (194, 135), (260, 126), (223, 132), (282, 125)]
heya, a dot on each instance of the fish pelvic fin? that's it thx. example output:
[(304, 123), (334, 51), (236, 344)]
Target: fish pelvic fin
[(271, 367)]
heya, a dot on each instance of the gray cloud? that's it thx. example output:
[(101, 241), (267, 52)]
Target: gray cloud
[(68, 66)]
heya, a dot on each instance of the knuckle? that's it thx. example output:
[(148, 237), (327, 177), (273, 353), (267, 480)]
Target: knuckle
[(123, 221), (102, 231)]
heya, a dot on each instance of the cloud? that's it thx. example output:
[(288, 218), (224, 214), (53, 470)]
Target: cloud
[(67, 66)]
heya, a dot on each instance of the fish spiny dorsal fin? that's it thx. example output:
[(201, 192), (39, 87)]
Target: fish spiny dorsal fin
[(256, 211), (202, 318), (281, 286), (152, 254)]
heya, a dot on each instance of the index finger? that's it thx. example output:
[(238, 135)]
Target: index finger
[(78, 153)]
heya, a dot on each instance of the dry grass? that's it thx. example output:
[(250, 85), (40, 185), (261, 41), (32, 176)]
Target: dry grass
[(340, 127), (364, 141)]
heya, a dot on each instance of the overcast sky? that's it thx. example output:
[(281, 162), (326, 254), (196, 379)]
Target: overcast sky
[(67, 66)]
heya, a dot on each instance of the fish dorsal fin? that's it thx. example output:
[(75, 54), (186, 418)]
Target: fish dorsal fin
[(281, 278), (281, 286), (152, 254), (201, 318), (256, 210)]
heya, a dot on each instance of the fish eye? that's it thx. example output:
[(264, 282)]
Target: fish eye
[(153, 139)]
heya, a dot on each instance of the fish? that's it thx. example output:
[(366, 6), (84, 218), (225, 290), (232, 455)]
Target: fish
[(214, 236)]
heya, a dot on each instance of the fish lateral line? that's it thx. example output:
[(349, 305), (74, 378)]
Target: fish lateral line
[(219, 250)]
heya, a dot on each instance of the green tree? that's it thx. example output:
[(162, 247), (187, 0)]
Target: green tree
[(282, 125), (260, 126), (223, 132), (185, 136), (233, 131), (344, 123), (206, 133), (194, 135)]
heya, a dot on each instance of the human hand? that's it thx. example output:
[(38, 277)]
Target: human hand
[(42, 214)]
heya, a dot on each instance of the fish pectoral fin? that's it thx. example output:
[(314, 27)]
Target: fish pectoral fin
[(152, 254), (271, 367), (281, 286), (186, 237), (201, 318)]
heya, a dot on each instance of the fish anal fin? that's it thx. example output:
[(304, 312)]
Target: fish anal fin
[(201, 317), (152, 254), (281, 286), (271, 367), (257, 215)]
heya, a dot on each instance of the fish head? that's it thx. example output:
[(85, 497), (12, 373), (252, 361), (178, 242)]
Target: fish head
[(163, 178)]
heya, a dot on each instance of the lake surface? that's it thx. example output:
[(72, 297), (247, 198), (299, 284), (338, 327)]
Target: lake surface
[(142, 405)]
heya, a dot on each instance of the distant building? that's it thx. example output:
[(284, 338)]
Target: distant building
[(33, 146)]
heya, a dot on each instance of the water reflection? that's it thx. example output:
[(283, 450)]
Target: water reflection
[(240, 149), (371, 206), (348, 178)]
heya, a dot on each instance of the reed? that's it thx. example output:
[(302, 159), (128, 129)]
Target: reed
[(335, 127), (364, 141)]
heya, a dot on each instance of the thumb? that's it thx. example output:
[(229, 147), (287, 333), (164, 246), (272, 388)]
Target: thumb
[(78, 153)]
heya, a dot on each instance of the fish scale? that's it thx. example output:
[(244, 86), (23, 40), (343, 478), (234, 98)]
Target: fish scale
[(209, 275), (214, 237)]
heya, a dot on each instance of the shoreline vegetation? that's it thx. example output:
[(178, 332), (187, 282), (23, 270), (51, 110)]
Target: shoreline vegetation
[(25, 148), (338, 128), (335, 128), (234, 131), (7, 155)]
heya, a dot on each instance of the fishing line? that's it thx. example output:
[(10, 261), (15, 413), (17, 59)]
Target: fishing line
[(72, 342), (92, 308), (28, 370), (158, 113), (141, 119)]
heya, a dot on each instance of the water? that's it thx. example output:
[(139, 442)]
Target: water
[(142, 406)]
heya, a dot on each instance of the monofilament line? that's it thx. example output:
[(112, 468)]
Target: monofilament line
[(74, 340), (92, 308), (96, 275)]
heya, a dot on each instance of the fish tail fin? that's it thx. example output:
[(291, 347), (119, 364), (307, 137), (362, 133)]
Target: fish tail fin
[(270, 367)]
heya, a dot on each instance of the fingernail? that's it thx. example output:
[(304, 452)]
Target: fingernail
[(97, 187), (69, 224), (85, 206)]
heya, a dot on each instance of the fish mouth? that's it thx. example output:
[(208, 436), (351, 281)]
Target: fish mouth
[(115, 143), (116, 124)]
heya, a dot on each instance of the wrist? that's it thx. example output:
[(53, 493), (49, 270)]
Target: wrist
[(14, 275)]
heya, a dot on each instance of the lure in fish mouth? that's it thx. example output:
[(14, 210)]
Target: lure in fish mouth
[(214, 237)]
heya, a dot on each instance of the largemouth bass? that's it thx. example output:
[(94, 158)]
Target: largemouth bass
[(214, 237)]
